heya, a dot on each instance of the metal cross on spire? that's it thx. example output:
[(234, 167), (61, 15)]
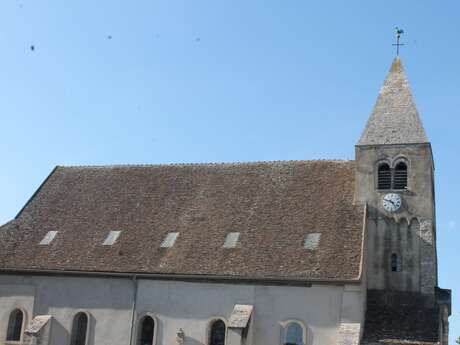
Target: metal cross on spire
[(399, 32)]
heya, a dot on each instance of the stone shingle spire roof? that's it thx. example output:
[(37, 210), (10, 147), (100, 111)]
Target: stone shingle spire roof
[(395, 119)]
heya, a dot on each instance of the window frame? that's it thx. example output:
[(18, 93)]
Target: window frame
[(88, 325), (284, 326), (398, 262), (376, 174), (23, 326), (140, 319), (210, 323), (393, 169), (392, 164)]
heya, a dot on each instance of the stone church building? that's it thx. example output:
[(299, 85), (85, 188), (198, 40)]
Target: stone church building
[(267, 253)]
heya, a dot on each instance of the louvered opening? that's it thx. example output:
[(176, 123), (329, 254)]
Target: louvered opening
[(400, 179), (384, 176)]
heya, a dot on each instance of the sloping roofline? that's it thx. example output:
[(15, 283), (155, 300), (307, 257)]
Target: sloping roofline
[(36, 192)]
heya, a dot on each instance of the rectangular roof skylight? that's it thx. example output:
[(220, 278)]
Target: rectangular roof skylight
[(111, 238), (311, 241), (231, 240), (48, 238), (169, 240)]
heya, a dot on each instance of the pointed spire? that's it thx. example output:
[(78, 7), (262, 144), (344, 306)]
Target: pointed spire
[(395, 119)]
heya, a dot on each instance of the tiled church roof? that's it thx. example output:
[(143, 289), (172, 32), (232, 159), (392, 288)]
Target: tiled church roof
[(273, 205), (394, 119)]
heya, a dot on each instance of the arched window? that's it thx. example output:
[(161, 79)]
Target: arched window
[(384, 176), (217, 333), (147, 331), (400, 176), (294, 334), (395, 263), (15, 324), (79, 329)]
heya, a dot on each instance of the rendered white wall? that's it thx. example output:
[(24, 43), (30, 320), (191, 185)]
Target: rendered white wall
[(176, 305)]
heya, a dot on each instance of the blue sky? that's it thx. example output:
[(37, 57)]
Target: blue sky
[(207, 81)]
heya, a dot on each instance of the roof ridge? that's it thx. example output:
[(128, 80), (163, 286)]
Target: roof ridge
[(128, 165)]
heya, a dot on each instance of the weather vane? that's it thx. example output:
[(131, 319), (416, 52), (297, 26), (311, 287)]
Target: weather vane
[(399, 32)]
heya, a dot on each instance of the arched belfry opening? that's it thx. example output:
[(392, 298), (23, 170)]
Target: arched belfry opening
[(384, 176), (392, 177), (400, 176)]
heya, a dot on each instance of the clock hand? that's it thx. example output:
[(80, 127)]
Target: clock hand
[(389, 200)]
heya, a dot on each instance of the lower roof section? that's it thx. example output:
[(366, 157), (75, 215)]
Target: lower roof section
[(401, 318), (273, 206)]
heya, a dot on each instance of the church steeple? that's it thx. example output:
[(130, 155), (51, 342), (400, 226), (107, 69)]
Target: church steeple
[(395, 178), (394, 119)]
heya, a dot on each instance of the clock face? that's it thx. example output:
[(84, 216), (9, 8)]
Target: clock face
[(392, 202)]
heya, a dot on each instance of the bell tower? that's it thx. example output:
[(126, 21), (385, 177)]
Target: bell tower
[(395, 177)]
